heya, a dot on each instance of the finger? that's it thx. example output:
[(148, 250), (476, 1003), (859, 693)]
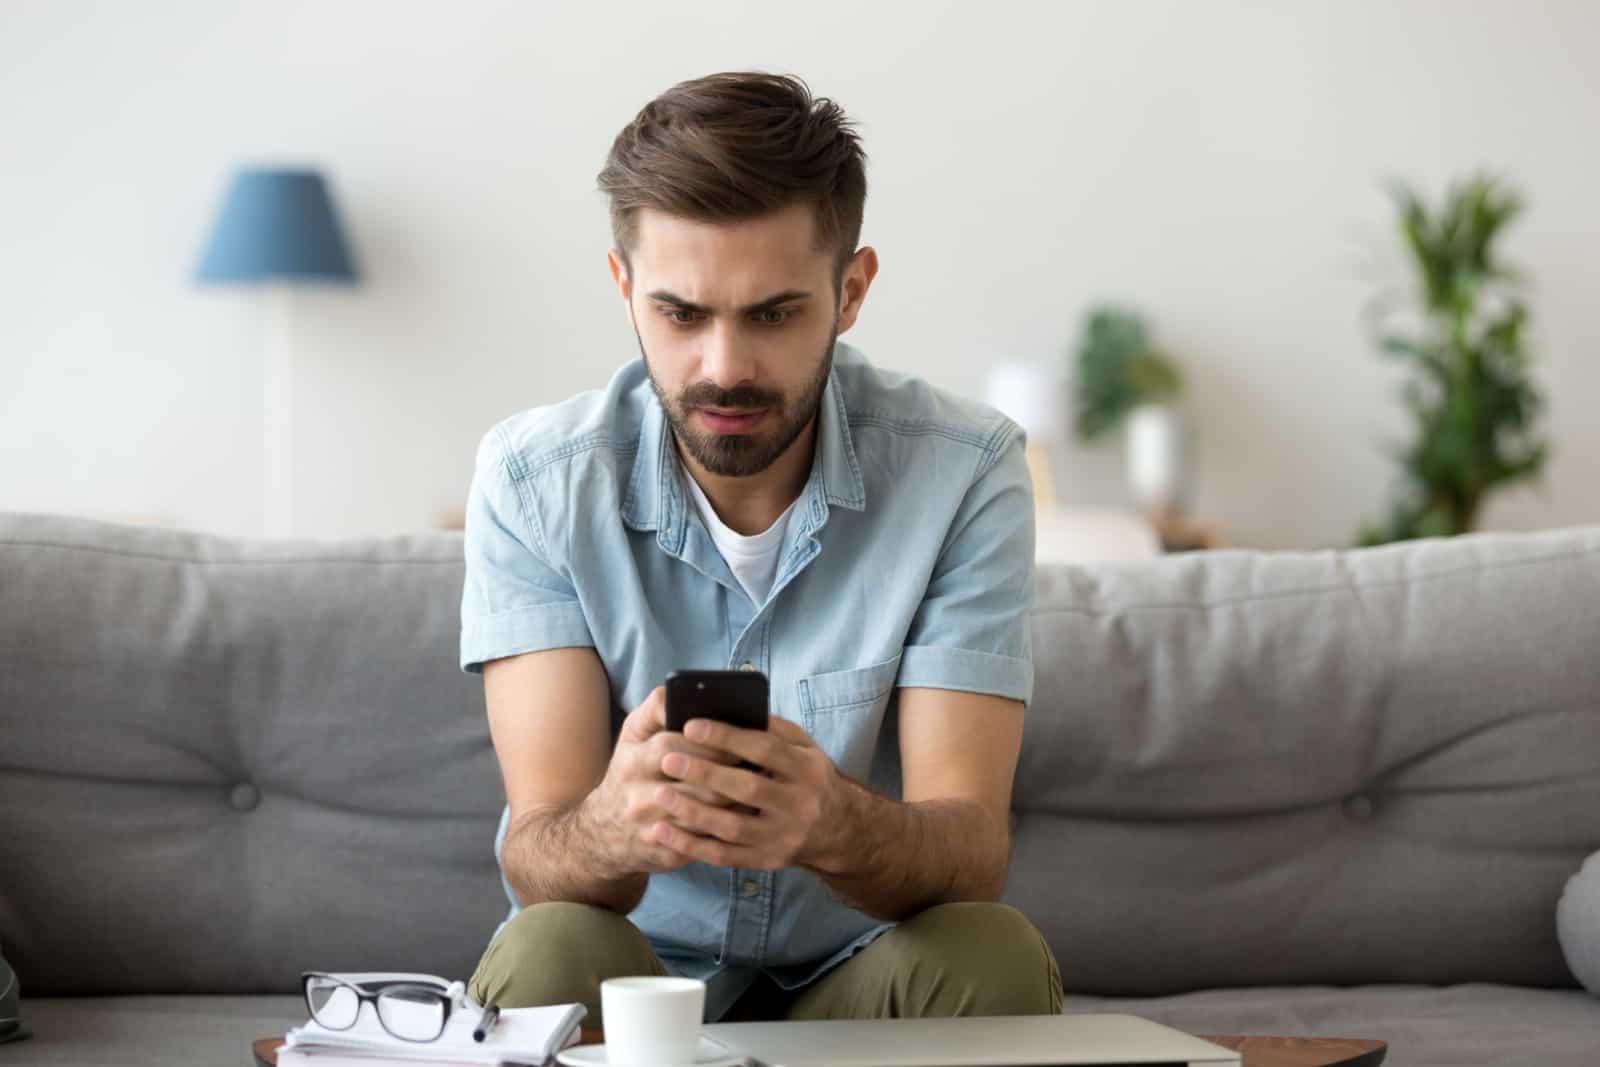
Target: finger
[(675, 742), (758, 746), (716, 800), (664, 744), (790, 731), (704, 796), (707, 820), (648, 719), (745, 787), (707, 849)]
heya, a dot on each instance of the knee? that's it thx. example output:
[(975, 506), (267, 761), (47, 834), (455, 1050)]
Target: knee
[(979, 929), (540, 956), (561, 928), (1004, 957)]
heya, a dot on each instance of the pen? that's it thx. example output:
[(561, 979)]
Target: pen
[(486, 1022)]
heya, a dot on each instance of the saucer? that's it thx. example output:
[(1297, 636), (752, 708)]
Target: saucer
[(711, 1054)]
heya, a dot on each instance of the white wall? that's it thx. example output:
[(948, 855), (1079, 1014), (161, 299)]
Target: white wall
[(1216, 163)]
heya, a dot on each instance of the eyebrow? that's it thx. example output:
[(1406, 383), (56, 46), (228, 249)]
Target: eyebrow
[(761, 305)]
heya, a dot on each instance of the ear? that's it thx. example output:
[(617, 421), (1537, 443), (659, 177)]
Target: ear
[(619, 274), (853, 287)]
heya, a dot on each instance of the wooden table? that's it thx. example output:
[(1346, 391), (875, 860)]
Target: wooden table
[(1301, 1051), (1256, 1051)]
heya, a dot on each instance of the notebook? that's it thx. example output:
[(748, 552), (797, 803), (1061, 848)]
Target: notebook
[(520, 1035)]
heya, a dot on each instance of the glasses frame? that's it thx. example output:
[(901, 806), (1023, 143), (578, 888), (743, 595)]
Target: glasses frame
[(377, 987)]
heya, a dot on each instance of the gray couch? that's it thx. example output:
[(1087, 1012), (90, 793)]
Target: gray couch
[(1328, 793)]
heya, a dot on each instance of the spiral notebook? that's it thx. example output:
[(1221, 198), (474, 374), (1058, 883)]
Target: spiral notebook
[(520, 1036)]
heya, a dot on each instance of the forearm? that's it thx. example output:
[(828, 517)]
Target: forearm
[(893, 860), (558, 854)]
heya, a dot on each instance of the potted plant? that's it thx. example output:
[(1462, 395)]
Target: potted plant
[(1122, 378), (1460, 328)]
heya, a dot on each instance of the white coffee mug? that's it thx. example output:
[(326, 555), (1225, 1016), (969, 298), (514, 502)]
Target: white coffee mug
[(652, 1022)]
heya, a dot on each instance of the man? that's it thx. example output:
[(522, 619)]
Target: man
[(752, 495)]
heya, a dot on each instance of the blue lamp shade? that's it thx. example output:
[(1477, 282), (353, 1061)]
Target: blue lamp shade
[(277, 224)]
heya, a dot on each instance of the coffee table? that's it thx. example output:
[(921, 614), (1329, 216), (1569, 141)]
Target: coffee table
[(1255, 1051)]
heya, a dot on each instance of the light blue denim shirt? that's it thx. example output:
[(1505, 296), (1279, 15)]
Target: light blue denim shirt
[(908, 561)]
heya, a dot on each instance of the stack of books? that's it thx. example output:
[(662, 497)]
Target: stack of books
[(521, 1036)]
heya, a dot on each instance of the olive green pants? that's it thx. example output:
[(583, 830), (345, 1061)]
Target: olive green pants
[(954, 959)]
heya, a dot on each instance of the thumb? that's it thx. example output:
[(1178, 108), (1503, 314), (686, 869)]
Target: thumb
[(648, 719)]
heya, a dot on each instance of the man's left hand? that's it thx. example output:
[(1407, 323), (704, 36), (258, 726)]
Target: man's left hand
[(780, 812)]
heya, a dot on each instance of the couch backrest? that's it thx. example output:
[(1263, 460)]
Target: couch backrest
[(223, 761), (1340, 767)]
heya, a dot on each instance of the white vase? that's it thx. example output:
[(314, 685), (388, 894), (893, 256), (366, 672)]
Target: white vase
[(1160, 458)]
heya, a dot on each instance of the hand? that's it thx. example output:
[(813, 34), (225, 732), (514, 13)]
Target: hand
[(779, 815), (624, 810)]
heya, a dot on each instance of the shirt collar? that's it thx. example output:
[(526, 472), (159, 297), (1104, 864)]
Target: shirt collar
[(655, 499)]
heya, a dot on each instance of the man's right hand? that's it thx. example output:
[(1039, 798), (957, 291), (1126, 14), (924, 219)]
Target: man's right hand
[(627, 802)]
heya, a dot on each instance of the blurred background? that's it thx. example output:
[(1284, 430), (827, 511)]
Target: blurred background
[(1220, 172)]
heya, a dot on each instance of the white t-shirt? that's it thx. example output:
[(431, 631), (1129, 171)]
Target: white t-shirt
[(753, 559)]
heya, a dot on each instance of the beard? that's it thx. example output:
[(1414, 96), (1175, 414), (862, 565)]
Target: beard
[(741, 455)]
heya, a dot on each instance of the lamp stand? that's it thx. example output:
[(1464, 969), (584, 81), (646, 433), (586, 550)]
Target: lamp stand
[(277, 409)]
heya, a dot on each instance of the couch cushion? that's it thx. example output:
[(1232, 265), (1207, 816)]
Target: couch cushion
[(226, 761), (186, 1031), (1248, 768), (1478, 1024)]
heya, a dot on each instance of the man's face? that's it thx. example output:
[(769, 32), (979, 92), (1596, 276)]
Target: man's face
[(736, 323)]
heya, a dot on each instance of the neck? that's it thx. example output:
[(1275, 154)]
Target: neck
[(752, 503)]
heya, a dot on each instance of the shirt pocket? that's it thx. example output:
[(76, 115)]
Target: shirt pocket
[(843, 712)]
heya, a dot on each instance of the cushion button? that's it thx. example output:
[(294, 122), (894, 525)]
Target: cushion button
[(244, 797), (1358, 806)]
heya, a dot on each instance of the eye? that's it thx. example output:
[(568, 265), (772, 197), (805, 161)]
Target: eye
[(684, 317)]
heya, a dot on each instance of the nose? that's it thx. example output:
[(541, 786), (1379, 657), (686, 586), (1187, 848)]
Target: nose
[(726, 359)]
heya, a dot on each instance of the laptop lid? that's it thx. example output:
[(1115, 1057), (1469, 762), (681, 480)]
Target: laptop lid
[(1076, 1040)]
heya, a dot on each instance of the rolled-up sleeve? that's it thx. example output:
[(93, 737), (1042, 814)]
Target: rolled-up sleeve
[(513, 600), (972, 630)]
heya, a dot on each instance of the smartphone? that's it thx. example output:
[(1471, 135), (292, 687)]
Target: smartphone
[(738, 698)]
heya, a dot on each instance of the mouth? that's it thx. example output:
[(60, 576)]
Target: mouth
[(732, 421)]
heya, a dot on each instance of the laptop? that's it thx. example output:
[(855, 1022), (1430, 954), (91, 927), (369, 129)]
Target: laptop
[(1079, 1040)]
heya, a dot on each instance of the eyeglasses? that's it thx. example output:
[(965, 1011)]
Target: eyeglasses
[(407, 1009)]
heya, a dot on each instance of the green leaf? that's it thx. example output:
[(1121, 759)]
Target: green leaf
[(1117, 370), (1471, 401)]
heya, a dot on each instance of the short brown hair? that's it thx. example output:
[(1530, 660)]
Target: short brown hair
[(735, 146)]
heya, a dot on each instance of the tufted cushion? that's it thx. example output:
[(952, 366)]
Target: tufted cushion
[(1337, 767), (226, 760)]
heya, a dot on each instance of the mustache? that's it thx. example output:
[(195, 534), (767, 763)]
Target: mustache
[(706, 395)]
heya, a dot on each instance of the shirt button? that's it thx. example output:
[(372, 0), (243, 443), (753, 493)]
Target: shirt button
[(747, 666), (751, 888)]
